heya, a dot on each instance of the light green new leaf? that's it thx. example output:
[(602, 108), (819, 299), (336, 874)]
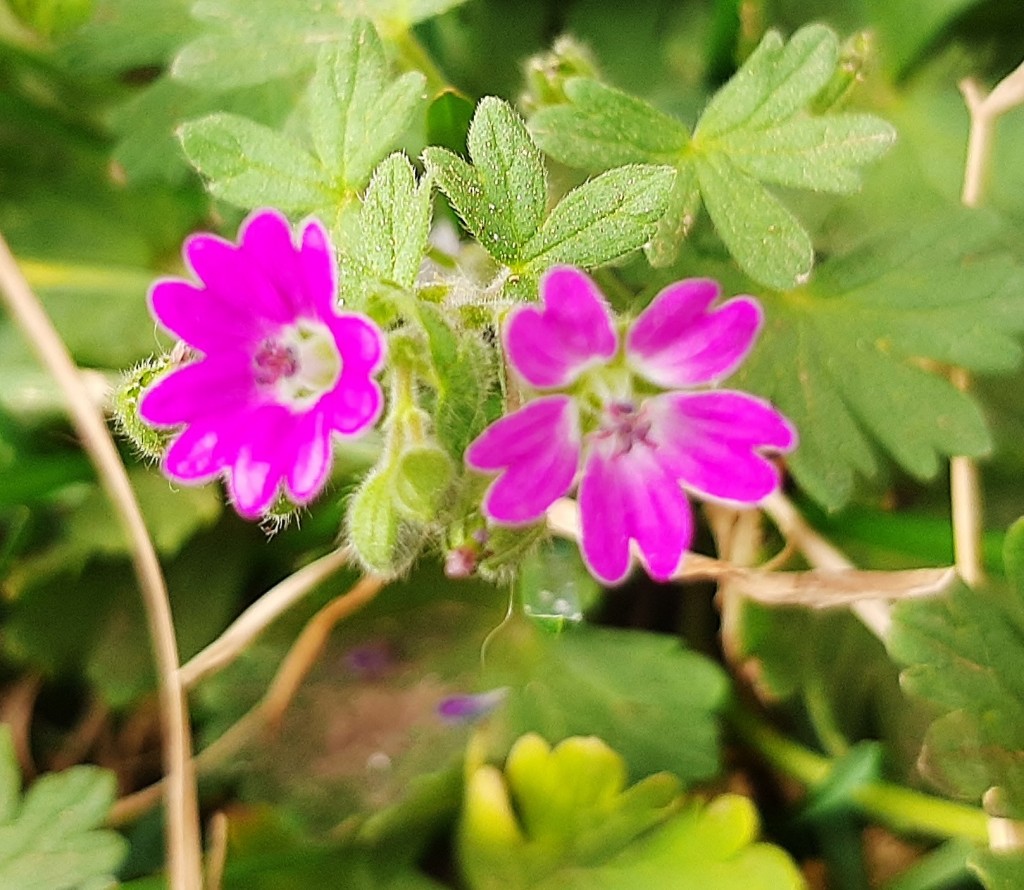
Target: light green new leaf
[(248, 43), (501, 198), (355, 115), (841, 356), (603, 127), (250, 165), (965, 654), (50, 839), (564, 818), (601, 220), (765, 239)]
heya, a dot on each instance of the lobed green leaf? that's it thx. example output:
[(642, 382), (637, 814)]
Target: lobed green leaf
[(50, 840), (765, 239), (841, 356), (501, 198), (965, 654), (602, 127), (601, 220), (355, 115), (250, 165)]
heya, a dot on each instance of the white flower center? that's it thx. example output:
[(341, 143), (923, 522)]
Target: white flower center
[(623, 426), (300, 363)]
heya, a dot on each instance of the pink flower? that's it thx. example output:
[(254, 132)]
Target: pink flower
[(281, 370), (619, 417)]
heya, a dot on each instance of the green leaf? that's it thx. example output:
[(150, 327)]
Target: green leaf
[(564, 818), (462, 378), (394, 222), (501, 198), (50, 839), (833, 673), (777, 80), (250, 165), (147, 123), (755, 131), (841, 355), (818, 153), (965, 654), (602, 127), (601, 220), (657, 700), (247, 44), (766, 240), (998, 870), (355, 115)]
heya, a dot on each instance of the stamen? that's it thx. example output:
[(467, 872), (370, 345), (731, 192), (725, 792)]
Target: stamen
[(626, 424), (274, 360)]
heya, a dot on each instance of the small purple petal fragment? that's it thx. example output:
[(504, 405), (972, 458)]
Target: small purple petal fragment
[(553, 345), (265, 399), (537, 448), (469, 708), (713, 442), (678, 341), (371, 661)]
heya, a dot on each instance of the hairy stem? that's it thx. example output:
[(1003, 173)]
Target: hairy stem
[(184, 856)]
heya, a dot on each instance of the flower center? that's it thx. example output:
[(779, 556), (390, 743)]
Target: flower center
[(623, 425), (299, 364)]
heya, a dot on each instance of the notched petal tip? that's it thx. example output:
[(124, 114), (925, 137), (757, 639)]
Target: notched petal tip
[(536, 451), (552, 344), (679, 340)]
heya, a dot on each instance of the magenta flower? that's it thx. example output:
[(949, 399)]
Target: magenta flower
[(281, 370), (619, 417)]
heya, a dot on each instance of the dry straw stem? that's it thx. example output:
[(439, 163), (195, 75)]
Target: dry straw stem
[(270, 708), (964, 482), (260, 615), (833, 582), (184, 857)]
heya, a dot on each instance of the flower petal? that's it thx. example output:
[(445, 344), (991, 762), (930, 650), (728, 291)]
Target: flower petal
[(553, 345), (677, 341), (537, 449), (262, 460), (209, 387), (192, 457), (712, 442), (266, 241), (199, 317), (354, 404), (360, 342), (631, 496), (311, 463), (318, 270), (232, 277)]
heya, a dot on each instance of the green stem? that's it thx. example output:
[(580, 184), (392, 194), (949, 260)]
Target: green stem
[(903, 809), (412, 54)]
